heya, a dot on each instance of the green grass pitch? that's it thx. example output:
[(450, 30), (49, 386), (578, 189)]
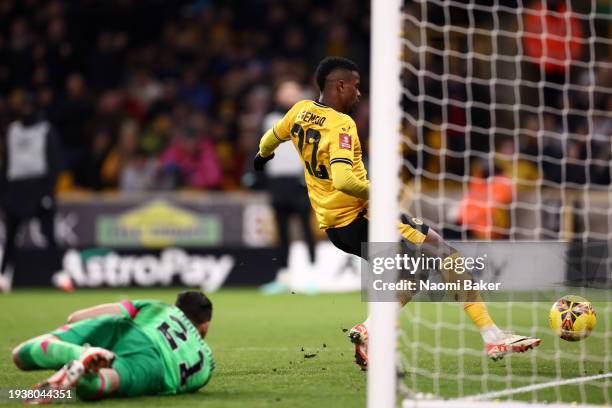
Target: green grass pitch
[(257, 342), (553, 360), (292, 351)]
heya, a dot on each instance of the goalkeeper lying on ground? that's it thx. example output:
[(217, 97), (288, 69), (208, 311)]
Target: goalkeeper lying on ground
[(325, 137), (131, 348)]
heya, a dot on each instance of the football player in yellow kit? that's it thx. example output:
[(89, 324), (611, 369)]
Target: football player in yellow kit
[(325, 137)]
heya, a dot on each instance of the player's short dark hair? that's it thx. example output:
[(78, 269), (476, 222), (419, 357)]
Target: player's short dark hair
[(195, 305), (329, 64)]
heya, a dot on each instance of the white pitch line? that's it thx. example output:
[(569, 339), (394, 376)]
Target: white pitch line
[(533, 387)]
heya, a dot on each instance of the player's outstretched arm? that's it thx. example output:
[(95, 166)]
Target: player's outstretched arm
[(95, 311), (344, 180), (260, 161), (268, 143)]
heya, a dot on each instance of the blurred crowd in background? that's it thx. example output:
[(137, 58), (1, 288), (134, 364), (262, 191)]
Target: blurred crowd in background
[(149, 95), (157, 94), (526, 94)]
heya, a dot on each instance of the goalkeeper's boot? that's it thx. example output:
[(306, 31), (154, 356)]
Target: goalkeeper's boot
[(359, 337), (64, 379), (91, 361), (95, 358), (511, 343)]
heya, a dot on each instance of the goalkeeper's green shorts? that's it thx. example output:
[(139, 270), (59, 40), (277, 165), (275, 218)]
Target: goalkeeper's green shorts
[(138, 363)]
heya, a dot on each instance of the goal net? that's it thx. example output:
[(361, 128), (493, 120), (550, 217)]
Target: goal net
[(505, 148)]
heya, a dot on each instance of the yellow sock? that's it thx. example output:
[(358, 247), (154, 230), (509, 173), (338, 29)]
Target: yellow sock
[(472, 302), (478, 313)]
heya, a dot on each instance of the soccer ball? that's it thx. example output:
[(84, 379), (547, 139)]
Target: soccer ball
[(572, 318)]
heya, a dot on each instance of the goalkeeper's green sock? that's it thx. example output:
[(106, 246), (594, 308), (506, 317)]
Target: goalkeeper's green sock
[(93, 386), (48, 353)]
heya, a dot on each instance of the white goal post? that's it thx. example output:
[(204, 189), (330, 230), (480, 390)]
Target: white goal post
[(463, 91), (385, 116)]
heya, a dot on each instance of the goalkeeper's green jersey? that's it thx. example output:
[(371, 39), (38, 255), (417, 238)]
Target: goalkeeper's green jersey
[(188, 360)]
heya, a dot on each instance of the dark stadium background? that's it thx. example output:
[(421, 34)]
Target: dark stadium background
[(166, 100), (95, 66), (159, 106), (128, 83)]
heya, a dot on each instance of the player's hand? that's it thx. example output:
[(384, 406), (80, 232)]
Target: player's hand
[(259, 162)]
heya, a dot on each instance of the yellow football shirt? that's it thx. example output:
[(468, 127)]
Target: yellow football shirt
[(323, 136)]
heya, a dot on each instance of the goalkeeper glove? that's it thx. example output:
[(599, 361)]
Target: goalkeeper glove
[(259, 162)]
